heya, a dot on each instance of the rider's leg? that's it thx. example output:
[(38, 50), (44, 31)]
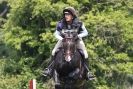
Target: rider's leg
[(57, 46), (48, 70), (81, 45)]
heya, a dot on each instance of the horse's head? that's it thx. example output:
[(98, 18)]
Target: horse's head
[(69, 44)]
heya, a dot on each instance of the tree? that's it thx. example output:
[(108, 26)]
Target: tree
[(29, 30)]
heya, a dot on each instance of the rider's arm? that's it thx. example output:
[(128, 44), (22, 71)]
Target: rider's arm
[(57, 32), (83, 33), (57, 35)]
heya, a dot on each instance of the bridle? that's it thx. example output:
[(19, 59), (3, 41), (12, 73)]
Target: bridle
[(69, 46)]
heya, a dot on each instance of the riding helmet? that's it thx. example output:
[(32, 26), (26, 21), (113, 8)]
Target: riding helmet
[(71, 10)]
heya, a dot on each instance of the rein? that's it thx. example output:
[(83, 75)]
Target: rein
[(69, 46)]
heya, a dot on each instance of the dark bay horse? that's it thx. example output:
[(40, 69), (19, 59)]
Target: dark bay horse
[(69, 72)]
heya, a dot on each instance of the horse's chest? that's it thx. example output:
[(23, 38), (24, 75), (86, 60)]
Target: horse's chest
[(70, 64)]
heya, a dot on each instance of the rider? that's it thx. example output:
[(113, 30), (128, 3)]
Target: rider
[(70, 21)]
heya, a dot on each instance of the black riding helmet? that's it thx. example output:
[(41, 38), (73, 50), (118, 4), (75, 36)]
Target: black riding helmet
[(71, 10)]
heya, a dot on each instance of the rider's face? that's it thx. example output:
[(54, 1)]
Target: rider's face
[(68, 17)]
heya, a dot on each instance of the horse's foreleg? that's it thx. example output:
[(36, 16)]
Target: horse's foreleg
[(57, 81), (74, 74)]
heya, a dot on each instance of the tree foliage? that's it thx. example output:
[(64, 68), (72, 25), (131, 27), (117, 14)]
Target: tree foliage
[(28, 38)]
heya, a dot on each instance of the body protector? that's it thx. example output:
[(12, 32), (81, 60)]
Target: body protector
[(76, 25)]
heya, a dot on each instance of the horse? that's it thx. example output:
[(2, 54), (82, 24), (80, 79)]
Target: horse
[(69, 72)]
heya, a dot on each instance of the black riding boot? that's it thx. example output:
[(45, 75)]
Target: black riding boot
[(89, 75), (48, 71)]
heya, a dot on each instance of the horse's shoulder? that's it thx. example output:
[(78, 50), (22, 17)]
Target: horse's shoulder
[(79, 52), (60, 51)]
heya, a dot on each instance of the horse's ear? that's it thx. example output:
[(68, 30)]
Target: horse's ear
[(62, 34), (75, 34), (76, 37), (63, 40)]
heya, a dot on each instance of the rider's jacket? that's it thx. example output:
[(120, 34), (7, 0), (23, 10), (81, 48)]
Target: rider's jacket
[(76, 25)]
